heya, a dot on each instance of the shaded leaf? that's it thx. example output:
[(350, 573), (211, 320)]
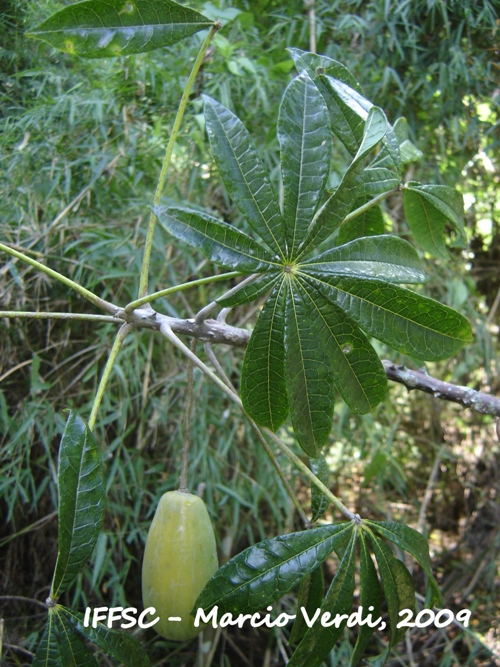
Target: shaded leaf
[(74, 652), (415, 544), (370, 599), (427, 209), (263, 388), (218, 241), (256, 288), (408, 322), (319, 640), (97, 29), (367, 223), (263, 573), (319, 502), (81, 501), (305, 142), (383, 257), (407, 150), (48, 653), (356, 368), (120, 646), (426, 223), (243, 174), (309, 376), (397, 584), (311, 598)]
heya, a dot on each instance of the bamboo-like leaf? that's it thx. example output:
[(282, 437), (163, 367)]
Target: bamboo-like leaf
[(370, 598), (355, 366), (319, 640), (81, 501), (408, 322), (319, 502), (383, 257), (97, 29), (218, 241), (309, 377), (368, 223), (415, 544), (347, 127), (397, 584), (337, 207), (305, 142), (120, 646), (263, 573), (244, 175), (311, 598), (256, 288), (263, 388)]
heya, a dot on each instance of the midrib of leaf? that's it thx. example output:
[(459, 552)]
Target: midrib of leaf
[(429, 225), (301, 354), (303, 138), (336, 340), (63, 628), (278, 247), (379, 307), (248, 582), (269, 346)]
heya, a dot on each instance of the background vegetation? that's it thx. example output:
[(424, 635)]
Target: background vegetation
[(81, 145)]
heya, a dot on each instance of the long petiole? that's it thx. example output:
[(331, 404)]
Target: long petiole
[(179, 288), (97, 301), (37, 315), (120, 337), (143, 285), (171, 336)]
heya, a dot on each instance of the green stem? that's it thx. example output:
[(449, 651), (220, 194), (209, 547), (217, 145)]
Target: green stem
[(178, 288), (143, 285), (120, 337), (59, 316), (186, 446), (170, 335), (97, 301), (370, 204)]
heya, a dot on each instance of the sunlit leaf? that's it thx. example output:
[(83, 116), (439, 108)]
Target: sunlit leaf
[(220, 242), (305, 145), (97, 29), (261, 574)]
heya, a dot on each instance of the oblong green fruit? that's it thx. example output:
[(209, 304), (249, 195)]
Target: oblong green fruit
[(179, 559)]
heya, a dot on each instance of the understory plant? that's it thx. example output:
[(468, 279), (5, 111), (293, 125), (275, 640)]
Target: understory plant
[(333, 278)]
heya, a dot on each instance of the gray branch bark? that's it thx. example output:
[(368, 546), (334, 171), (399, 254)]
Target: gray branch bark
[(216, 332)]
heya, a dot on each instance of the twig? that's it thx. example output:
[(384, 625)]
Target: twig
[(469, 398)]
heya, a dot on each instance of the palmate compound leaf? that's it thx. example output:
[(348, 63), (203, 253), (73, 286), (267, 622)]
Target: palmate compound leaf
[(96, 29), (263, 573), (306, 341), (81, 501), (61, 644)]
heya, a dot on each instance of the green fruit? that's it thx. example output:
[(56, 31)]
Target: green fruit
[(179, 559)]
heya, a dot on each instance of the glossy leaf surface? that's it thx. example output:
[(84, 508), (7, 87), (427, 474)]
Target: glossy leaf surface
[(81, 501), (263, 573), (97, 29), (319, 639)]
